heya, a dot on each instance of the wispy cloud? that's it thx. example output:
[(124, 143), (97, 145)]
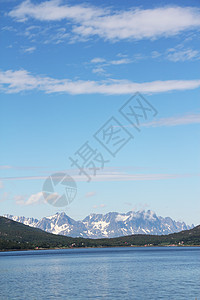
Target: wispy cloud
[(101, 64), (189, 119), (1, 185), (98, 60), (33, 199), (24, 168), (29, 50), (113, 25), (175, 121), (99, 70), (24, 178), (8, 28), (176, 55), (114, 176), (120, 61), (137, 177), (21, 80)]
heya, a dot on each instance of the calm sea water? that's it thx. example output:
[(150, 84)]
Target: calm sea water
[(111, 273)]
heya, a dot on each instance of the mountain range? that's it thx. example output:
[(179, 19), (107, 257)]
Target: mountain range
[(110, 225), (17, 236)]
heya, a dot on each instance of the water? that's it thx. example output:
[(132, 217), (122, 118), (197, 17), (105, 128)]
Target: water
[(110, 273)]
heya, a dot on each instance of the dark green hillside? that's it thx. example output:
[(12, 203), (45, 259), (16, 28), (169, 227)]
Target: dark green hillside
[(17, 236), (14, 235), (187, 237)]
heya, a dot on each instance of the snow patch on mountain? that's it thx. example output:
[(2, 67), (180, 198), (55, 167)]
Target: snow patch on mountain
[(121, 218), (110, 225)]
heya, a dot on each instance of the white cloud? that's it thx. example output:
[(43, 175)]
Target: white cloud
[(130, 24), (8, 28), (179, 53), (99, 70), (106, 176), (120, 61), (104, 62), (52, 198), (182, 55), (122, 55), (54, 11), (29, 50), (101, 63), (97, 60), (135, 177), (175, 121), (22, 80), (33, 199)]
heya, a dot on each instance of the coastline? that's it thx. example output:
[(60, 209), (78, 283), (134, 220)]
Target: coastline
[(70, 248)]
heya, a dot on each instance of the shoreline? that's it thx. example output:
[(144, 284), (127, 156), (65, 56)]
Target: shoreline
[(68, 248)]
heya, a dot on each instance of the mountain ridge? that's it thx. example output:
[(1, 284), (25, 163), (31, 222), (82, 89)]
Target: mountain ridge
[(109, 225), (17, 236)]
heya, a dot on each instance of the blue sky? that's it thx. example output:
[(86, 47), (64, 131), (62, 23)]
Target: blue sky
[(66, 68)]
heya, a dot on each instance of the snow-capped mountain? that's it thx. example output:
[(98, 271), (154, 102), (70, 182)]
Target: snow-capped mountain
[(110, 225)]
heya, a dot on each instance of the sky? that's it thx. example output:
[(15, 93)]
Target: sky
[(106, 92)]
